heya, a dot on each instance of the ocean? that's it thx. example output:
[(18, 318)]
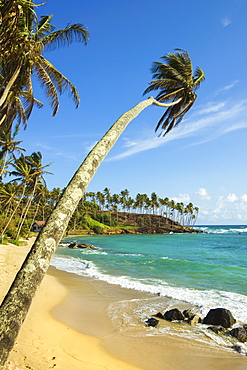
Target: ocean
[(203, 271)]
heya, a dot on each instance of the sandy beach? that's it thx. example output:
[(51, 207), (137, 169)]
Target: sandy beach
[(68, 327)]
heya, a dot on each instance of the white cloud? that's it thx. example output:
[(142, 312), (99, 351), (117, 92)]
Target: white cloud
[(244, 198), (231, 198), (202, 192), (225, 21), (184, 198), (229, 209)]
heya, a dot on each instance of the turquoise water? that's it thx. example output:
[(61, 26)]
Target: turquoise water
[(207, 270)]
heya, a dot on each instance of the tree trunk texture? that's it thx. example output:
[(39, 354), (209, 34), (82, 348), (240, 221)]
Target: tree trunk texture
[(17, 301)]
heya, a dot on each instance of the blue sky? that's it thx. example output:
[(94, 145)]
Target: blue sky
[(202, 161)]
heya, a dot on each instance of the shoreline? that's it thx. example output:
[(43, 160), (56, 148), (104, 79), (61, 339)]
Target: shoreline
[(68, 327)]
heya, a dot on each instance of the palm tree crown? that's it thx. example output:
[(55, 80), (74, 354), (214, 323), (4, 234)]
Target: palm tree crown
[(176, 83), (21, 56)]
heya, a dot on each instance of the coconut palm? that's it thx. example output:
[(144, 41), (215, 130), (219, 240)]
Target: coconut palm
[(9, 193), (195, 215), (36, 175), (22, 171), (175, 81), (8, 146), (12, 310), (25, 59)]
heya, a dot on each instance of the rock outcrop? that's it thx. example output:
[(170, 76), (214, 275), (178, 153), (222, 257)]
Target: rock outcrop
[(75, 245)]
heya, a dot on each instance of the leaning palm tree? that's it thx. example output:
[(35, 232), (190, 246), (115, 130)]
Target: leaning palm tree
[(21, 57), (17, 301)]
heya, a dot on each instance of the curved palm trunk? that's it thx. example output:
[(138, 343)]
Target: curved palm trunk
[(16, 303)]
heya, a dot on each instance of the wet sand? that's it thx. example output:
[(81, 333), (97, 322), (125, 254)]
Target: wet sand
[(68, 327)]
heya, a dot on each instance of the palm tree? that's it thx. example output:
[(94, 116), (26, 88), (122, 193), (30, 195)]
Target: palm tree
[(37, 175), (154, 202), (9, 193), (22, 171), (55, 195), (30, 38), (175, 80), (9, 146), (13, 310), (195, 216), (115, 202), (41, 196)]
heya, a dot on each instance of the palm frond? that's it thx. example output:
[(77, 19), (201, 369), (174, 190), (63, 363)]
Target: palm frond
[(44, 26), (48, 86), (60, 81), (75, 32), (199, 77)]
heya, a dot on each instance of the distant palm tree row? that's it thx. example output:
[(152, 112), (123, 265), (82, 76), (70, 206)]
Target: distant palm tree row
[(186, 215)]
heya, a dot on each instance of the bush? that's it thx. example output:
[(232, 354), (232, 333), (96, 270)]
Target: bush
[(98, 229)]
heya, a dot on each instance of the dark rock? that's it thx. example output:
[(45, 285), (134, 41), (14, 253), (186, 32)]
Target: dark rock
[(74, 245), (188, 313), (173, 315), (219, 316), (217, 329), (159, 315), (240, 333), (152, 322)]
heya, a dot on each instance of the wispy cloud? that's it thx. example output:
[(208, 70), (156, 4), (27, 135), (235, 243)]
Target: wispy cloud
[(212, 108), (206, 124), (226, 88), (225, 21)]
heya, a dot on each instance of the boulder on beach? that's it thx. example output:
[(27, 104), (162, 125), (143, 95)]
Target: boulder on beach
[(240, 333), (173, 315), (217, 329), (159, 315), (152, 322), (219, 316)]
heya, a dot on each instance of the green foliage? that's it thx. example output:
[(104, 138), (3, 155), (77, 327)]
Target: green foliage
[(94, 225), (104, 218), (98, 229)]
